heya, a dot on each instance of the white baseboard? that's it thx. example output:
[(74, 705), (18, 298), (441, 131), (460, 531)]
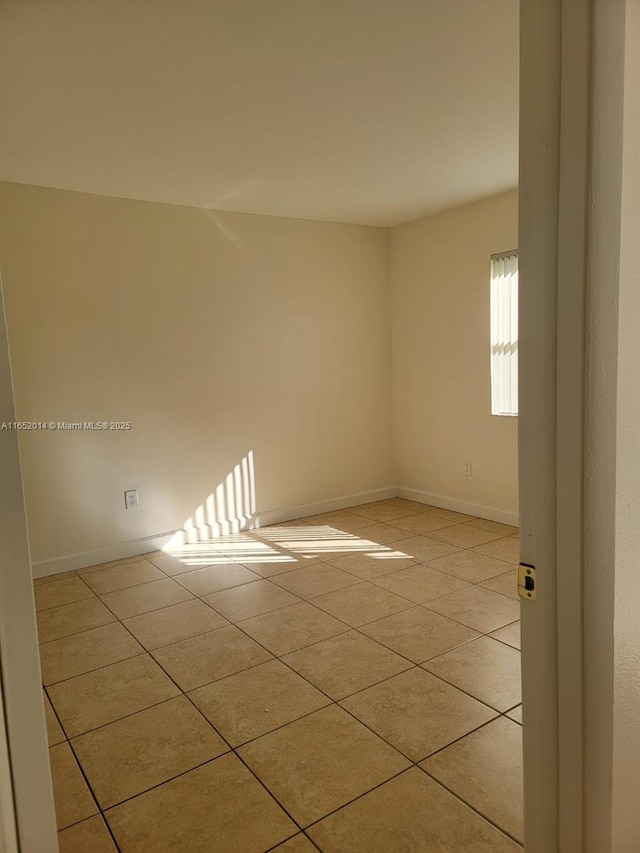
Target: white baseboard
[(136, 547), (119, 551), (479, 510), (290, 513)]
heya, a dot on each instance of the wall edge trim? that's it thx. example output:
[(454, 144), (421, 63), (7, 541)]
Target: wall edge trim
[(489, 512)]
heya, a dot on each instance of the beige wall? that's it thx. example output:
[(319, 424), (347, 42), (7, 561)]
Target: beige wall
[(214, 335), (440, 342)]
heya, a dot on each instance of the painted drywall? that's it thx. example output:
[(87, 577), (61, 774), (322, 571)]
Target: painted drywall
[(214, 335), (439, 273)]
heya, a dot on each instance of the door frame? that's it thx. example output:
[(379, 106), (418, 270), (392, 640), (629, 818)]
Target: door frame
[(31, 822), (555, 98)]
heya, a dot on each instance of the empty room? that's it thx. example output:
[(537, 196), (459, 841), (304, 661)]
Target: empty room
[(260, 277)]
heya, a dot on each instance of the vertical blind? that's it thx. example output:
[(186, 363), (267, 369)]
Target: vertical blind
[(504, 334)]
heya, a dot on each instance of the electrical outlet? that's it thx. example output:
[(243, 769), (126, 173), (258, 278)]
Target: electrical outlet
[(467, 468), (131, 499)]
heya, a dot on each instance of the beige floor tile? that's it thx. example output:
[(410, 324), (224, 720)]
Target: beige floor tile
[(60, 591), (485, 770), (418, 634), (251, 544), (367, 567), (189, 561), (516, 714), (89, 836), (217, 577), (145, 598), (510, 634), (494, 526), (71, 656), (245, 549), (299, 844), (323, 543), (121, 576), (271, 568), (409, 506), (420, 583), (464, 535), (383, 511), (292, 628), (201, 660), (73, 800), (324, 521), (345, 664), (485, 668), (108, 694), (171, 624), (347, 521), (57, 622), (251, 703), (451, 515), (422, 523), (469, 566), (250, 599), (362, 603), (385, 534), (423, 549), (478, 608), (138, 752), (507, 549), (57, 577), (320, 762), (417, 714), (121, 562), (54, 730), (219, 806), (315, 580), (505, 584), (414, 811)]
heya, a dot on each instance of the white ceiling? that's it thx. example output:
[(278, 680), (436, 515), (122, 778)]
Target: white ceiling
[(369, 111)]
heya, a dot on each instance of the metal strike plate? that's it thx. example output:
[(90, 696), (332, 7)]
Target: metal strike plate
[(527, 582)]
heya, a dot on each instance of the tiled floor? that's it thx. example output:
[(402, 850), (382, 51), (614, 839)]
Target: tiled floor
[(346, 683)]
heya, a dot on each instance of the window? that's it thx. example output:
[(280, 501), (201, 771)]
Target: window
[(504, 334)]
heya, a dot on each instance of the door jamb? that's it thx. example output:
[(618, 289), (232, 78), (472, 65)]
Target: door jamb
[(553, 215)]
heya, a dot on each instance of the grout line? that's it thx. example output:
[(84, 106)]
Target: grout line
[(472, 808), (56, 715), (466, 692), (75, 601), (123, 717), (154, 610), (359, 797), (131, 586), (110, 831), (77, 633), (458, 739), (173, 778), (301, 834), (96, 668), (91, 792)]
